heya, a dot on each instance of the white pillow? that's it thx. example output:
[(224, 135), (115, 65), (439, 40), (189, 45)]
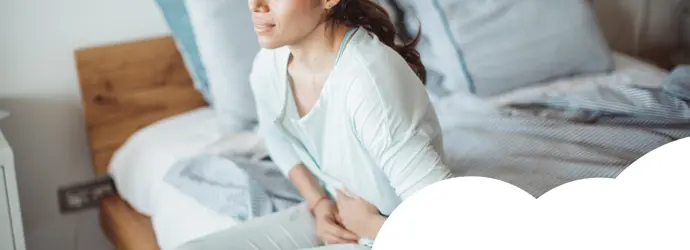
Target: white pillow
[(140, 164), (227, 46)]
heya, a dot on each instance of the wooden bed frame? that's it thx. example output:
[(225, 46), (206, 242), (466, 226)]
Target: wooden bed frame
[(124, 88)]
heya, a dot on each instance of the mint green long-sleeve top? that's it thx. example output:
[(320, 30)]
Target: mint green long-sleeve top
[(372, 130)]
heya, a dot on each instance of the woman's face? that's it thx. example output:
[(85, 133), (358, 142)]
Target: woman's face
[(279, 23)]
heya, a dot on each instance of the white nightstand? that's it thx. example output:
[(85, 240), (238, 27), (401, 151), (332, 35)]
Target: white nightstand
[(11, 228)]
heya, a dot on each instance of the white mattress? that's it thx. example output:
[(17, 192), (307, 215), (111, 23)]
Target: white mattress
[(139, 167)]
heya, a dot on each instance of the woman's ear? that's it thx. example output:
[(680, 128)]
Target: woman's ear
[(329, 4)]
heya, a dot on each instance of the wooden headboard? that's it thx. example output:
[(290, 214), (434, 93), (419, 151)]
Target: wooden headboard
[(126, 87)]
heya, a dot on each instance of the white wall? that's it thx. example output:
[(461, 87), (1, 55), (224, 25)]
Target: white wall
[(38, 85)]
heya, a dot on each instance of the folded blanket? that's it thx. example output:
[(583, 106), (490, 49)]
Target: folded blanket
[(240, 188), (232, 179)]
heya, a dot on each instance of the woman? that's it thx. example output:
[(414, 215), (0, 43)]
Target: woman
[(345, 115)]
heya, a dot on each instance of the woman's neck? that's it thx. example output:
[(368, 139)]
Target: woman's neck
[(319, 49)]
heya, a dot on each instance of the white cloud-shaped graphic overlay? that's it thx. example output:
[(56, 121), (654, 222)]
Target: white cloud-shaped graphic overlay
[(646, 207)]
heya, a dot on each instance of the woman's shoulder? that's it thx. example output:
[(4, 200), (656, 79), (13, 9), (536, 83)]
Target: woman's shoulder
[(267, 65), (379, 68), (379, 63), (265, 77), (267, 60), (382, 80)]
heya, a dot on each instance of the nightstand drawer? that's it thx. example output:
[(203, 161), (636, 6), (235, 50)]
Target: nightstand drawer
[(6, 237)]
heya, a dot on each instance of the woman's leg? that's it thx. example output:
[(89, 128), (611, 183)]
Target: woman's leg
[(291, 229)]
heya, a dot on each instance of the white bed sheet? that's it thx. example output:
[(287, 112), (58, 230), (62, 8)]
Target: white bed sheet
[(180, 218)]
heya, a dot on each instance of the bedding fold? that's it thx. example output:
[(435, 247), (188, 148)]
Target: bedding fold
[(667, 106), (240, 188)]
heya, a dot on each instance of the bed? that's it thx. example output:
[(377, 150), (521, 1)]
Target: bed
[(123, 100), (144, 111)]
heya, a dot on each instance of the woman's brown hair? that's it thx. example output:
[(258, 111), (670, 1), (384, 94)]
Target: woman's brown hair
[(373, 17)]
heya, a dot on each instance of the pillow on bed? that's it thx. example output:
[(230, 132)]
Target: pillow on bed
[(218, 40), (227, 45), (175, 14), (504, 45)]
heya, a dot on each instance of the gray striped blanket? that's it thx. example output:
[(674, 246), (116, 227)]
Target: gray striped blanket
[(536, 145), (239, 187), (540, 144)]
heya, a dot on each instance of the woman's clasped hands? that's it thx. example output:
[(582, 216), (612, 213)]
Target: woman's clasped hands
[(347, 219)]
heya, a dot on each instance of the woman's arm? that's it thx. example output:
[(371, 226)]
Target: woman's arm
[(397, 125), (307, 184), (325, 211), (399, 129), (261, 79)]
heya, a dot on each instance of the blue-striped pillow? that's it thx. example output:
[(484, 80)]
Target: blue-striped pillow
[(217, 41), (175, 14), (492, 47)]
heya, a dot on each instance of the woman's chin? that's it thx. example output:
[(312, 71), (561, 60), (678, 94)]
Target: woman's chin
[(267, 43)]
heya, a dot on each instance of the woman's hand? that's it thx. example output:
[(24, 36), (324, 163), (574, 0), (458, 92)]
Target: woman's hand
[(327, 227), (359, 215)]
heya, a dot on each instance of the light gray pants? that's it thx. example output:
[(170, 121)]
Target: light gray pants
[(291, 229)]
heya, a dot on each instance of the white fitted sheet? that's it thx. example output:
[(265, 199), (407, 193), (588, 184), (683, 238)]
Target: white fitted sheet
[(180, 218)]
